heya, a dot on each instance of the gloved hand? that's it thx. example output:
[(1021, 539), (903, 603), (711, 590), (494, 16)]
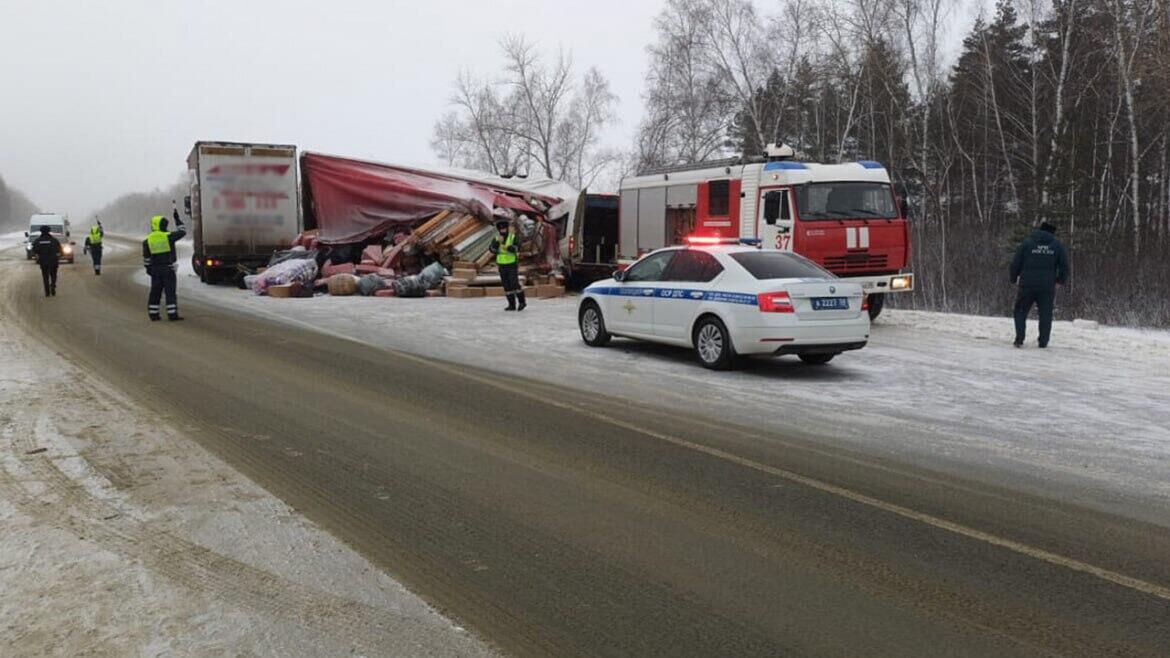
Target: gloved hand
[(513, 248)]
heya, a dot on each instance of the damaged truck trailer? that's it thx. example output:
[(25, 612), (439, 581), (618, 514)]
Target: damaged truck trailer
[(250, 201), (243, 204)]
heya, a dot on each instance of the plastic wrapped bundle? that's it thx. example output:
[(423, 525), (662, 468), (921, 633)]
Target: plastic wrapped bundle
[(342, 284), (370, 284), (298, 270), (417, 285), (290, 254)]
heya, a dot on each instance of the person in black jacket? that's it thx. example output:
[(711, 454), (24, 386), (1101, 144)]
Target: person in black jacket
[(160, 260), (48, 252), (1040, 265)]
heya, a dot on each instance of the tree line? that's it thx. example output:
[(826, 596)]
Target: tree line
[(1052, 110), (15, 208)]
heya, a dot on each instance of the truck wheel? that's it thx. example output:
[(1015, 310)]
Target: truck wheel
[(877, 301), (713, 344), (816, 359), (593, 325)]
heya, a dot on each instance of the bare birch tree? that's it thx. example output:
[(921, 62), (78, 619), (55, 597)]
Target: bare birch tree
[(537, 115)]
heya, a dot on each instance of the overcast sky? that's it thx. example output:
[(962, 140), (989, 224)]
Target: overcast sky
[(103, 98)]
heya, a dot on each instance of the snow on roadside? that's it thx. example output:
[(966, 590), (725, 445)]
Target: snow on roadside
[(13, 239), (1080, 335), (120, 536)]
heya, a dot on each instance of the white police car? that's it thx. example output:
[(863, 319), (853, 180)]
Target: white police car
[(726, 298)]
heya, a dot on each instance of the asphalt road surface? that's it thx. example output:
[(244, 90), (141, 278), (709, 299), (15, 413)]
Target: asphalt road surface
[(556, 523)]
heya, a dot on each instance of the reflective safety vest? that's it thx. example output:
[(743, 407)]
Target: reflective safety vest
[(505, 257), (158, 241), (95, 236)]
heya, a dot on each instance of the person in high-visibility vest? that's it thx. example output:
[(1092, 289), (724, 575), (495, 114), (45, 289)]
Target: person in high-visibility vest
[(93, 246), (160, 260), (505, 245)]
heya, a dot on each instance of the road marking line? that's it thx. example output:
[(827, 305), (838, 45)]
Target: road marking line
[(1129, 582)]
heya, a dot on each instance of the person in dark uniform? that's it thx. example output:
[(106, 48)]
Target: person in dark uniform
[(1040, 265), (159, 258), (48, 252), (505, 245), (93, 246)]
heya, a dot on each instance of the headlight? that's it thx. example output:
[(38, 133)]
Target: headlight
[(901, 282), (67, 249)]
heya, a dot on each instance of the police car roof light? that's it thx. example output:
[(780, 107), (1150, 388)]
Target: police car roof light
[(707, 239), (712, 239)]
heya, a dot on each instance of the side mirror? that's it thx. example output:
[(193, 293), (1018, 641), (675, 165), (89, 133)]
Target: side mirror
[(619, 276), (187, 204), (903, 207), (26, 234)]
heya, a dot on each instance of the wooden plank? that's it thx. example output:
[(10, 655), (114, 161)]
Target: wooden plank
[(431, 223), (465, 293)]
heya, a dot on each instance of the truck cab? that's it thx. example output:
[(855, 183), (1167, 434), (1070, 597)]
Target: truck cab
[(58, 227)]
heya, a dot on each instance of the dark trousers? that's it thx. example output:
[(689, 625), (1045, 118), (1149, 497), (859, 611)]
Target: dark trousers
[(1043, 298), (162, 279), (96, 254), (49, 277), (510, 278)]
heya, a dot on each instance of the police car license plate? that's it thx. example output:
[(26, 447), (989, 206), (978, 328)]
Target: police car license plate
[(830, 303)]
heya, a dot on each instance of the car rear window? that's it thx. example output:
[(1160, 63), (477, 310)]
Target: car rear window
[(780, 265)]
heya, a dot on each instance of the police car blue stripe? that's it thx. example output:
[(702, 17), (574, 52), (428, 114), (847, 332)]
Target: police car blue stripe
[(678, 293), (870, 164)]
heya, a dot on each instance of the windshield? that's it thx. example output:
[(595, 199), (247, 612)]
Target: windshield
[(845, 200), (53, 228), (780, 265)]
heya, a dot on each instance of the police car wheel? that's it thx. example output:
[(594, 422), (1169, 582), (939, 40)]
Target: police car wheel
[(593, 326), (713, 345), (817, 359)]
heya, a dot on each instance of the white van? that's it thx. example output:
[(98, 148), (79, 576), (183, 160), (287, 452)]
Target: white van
[(59, 228)]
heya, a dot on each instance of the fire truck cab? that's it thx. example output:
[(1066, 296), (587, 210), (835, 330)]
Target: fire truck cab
[(845, 217)]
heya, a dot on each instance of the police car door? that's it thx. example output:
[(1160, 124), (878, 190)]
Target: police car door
[(685, 284), (630, 306), (775, 219)]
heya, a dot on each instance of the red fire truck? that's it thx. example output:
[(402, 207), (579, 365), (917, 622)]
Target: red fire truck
[(845, 217)]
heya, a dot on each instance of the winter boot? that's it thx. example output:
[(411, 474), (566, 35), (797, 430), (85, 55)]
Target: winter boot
[(523, 301), (511, 303)]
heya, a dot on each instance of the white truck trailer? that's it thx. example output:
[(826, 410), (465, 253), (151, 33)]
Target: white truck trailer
[(244, 205)]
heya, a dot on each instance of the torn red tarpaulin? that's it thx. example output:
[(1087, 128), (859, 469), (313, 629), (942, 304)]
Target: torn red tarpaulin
[(353, 200)]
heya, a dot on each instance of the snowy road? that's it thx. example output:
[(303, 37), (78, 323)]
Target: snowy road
[(119, 535), (1087, 420), (553, 520)]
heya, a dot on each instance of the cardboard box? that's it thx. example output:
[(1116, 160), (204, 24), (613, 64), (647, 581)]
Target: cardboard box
[(493, 291), (548, 292), (285, 291), (464, 292)]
